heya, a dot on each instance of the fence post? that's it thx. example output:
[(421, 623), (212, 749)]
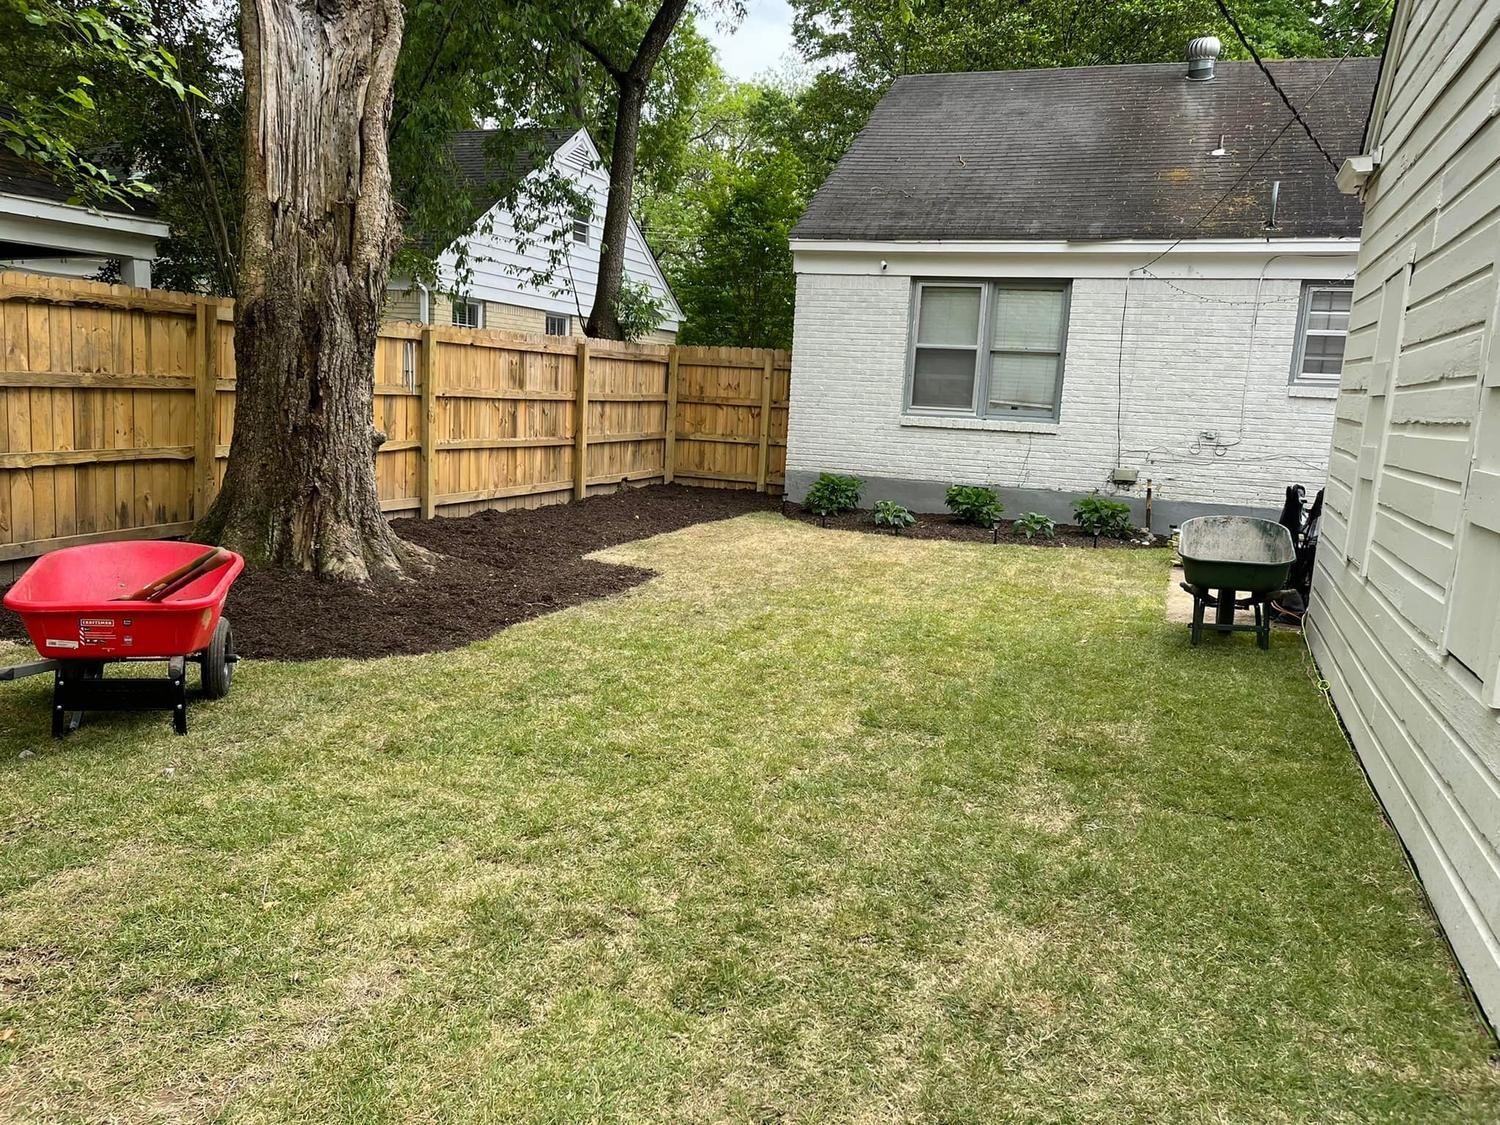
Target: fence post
[(669, 461), (429, 425), (762, 465), (205, 401), (580, 425)]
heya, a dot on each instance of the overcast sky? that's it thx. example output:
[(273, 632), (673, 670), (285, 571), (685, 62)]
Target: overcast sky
[(761, 42)]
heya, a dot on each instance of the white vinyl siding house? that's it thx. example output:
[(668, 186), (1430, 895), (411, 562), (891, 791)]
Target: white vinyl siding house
[(985, 299), (504, 262), (1405, 614)]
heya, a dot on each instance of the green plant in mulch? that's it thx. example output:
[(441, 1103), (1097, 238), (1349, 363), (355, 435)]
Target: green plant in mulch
[(890, 514), (1099, 515), (832, 495), (975, 504), (1034, 525)]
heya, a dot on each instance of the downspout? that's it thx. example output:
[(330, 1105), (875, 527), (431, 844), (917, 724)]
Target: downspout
[(424, 304)]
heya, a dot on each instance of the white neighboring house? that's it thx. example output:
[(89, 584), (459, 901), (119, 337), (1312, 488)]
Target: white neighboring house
[(1405, 614), (500, 293), (41, 232), (1057, 281)]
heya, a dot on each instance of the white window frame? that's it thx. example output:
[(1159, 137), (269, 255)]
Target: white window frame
[(474, 314), (562, 321), (983, 348), (583, 217), (1298, 377)]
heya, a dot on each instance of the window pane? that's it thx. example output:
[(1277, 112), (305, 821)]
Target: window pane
[(1323, 355), (943, 378), (1328, 322), (949, 315), (1023, 384), (1332, 300), (1028, 318)]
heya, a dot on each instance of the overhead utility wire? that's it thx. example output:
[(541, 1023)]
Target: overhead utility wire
[(1243, 176), (1271, 78)]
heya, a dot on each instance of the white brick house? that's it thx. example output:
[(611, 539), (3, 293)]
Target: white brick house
[(983, 299)]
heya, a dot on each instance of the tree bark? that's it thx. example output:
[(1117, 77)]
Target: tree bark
[(603, 323), (632, 82), (319, 233)]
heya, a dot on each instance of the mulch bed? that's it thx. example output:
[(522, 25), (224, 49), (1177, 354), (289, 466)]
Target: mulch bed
[(930, 526), (497, 568)]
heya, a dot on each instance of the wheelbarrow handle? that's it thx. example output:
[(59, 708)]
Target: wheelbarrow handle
[(167, 584)]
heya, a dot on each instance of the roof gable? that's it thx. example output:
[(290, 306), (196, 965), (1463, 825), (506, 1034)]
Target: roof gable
[(1097, 153)]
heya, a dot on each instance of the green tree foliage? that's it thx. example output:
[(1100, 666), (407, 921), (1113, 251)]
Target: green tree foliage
[(739, 288), (63, 64)]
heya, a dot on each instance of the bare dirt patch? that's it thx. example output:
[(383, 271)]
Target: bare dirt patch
[(496, 569)]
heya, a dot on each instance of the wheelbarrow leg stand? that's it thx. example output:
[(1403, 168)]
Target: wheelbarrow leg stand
[(81, 686)]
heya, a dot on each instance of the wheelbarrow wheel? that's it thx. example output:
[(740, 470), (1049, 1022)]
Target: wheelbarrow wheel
[(218, 662)]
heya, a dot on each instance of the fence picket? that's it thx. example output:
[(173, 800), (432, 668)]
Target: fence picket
[(117, 407)]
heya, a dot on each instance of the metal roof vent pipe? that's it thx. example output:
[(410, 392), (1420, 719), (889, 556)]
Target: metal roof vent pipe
[(1201, 54)]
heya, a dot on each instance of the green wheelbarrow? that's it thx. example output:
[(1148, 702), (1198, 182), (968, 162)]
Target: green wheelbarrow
[(1226, 556)]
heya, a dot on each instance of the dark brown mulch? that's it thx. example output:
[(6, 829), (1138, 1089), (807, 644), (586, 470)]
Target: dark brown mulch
[(499, 568), (930, 526)]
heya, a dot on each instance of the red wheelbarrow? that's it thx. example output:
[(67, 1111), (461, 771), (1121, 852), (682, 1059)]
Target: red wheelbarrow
[(86, 607)]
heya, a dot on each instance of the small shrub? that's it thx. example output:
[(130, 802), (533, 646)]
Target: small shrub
[(1035, 525), (1099, 515), (832, 495), (972, 503), (890, 514)]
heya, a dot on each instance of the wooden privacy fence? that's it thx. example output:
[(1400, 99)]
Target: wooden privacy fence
[(117, 410)]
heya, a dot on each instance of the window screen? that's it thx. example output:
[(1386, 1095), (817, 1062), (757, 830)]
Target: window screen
[(1325, 328), (947, 346), (994, 350), (1026, 352)]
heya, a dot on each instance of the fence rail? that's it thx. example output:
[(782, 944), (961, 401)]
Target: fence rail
[(117, 412)]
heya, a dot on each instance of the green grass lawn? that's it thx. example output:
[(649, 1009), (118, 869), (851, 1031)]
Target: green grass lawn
[(815, 826)]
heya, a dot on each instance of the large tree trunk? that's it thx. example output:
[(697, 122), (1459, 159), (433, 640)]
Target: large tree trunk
[(603, 322), (632, 82), (318, 236)]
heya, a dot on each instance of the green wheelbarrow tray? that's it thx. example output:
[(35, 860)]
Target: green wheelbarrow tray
[(1232, 554)]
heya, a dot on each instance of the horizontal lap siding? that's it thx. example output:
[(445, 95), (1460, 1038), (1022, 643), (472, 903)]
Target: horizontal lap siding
[(101, 432), (1406, 607)]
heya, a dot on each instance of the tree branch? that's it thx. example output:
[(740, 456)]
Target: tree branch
[(599, 54), (655, 39)]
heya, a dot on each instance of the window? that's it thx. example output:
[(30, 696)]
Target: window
[(582, 213), (559, 325), (1322, 328), (994, 350), (468, 314)]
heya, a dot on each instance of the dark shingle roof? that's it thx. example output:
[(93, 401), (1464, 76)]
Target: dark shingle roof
[(22, 177), (1097, 152), (492, 161)]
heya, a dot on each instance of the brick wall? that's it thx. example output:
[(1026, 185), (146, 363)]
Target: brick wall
[(1187, 366)]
